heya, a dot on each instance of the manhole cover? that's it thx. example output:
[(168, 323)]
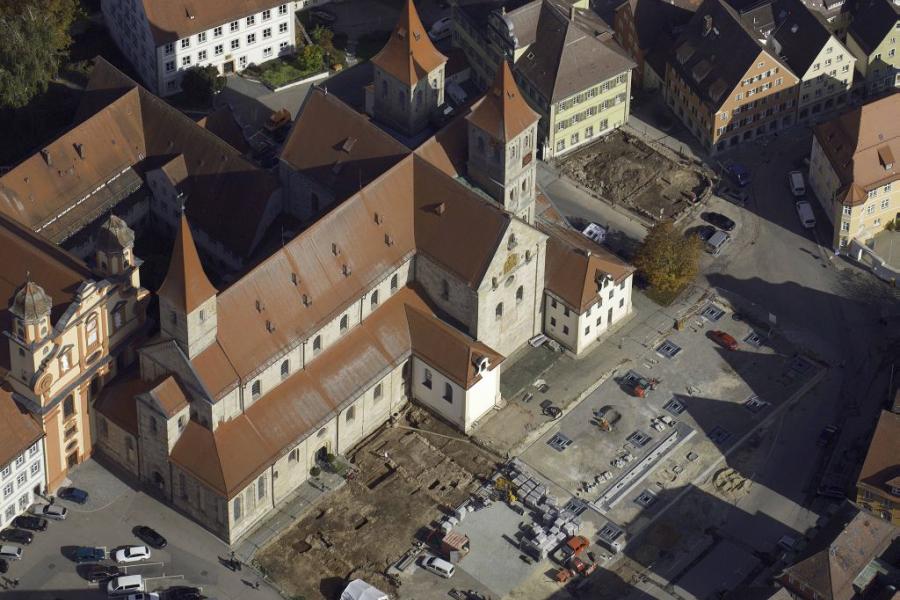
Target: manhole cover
[(645, 498), (753, 339), (754, 404), (668, 349), (719, 435), (712, 313), (559, 442), (674, 406), (639, 439)]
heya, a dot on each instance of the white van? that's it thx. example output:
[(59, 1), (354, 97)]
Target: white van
[(798, 186), (716, 242), (439, 566), (805, 212), (126, 584), (441, 29)]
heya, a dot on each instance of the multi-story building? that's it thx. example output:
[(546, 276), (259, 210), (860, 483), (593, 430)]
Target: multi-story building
[(723, 84), (646, 29), (375, 304), (854, 174), (567, 64), (68, 329), (872, 37), (132, 153), (843, 560), (162, 39), (878, 486), (22, 474), (825, 67)]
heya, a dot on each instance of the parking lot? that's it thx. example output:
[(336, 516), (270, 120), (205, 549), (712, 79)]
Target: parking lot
[(47, 571), (710, 396)]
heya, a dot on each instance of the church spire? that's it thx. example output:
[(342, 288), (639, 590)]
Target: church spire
[(186, 286)]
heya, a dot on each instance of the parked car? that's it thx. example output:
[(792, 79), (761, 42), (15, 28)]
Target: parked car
[(51, 511), (143, 596), (98, 573), (739, 174), (130, 554), (723, 339), (10, 552), (72, 494), (323, 16), (805, 212), (31, 523), (719, 220), (796, 183), (4, 566), (85, 554), (124, 585), (441, 29), (19, 536), (184, 592), (150, 536), (716, 242), (439, 566), (704, 232)]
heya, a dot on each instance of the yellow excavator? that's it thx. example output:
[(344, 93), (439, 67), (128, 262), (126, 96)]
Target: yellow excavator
[(505, 490)]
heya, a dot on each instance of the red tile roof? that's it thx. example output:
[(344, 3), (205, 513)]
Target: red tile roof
[(18, 429), (503, 112), (186, 285), (409, 54)]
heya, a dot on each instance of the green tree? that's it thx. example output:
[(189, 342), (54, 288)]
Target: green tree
[(311, 58), (322, 36), (34, 40), (667, 259), (200, 83)]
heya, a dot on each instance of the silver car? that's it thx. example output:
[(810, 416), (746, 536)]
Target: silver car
[(10, 552), (50, 511)]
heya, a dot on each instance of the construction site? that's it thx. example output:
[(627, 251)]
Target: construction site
[(624, 171), (409, 475)]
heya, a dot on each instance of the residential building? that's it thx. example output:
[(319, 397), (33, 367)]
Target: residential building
[(825, 67), (163, 39), (375, 304), (68, 328), (22, 474), (588, 288), (647, 29), (872, 37), (843, 560), (567, 65), (723, 83), (854, 174), (878, 486), (131, 153)]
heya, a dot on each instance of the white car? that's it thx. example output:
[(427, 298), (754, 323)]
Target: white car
[(10, 552), (657, 425), (805, 213), (668, 421), (130, 554), (50, 511)]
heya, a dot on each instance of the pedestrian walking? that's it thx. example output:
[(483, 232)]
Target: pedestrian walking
[(15, 583)]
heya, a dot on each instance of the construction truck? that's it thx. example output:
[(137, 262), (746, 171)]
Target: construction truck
[(638, 385)]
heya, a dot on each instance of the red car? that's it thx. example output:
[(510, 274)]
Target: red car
[(723, 339)]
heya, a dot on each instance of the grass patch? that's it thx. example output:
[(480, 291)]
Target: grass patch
[(281, 71)]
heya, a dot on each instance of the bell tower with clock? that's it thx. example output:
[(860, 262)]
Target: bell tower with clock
[(502, 131)]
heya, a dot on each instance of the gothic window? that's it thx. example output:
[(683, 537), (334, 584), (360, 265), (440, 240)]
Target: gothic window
[(427, 382), (345, 323), (498, 312), (373, 300), (317, 344), (520, 294), (448, 392), (394, 283), (68, 406), (256, 389), (285, 369)]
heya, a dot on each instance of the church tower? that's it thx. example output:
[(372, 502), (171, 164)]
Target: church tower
[(187, 300), (409, 76), (502, 131), (114, 251)]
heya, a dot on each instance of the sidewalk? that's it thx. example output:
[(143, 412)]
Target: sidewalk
[(570, 380)]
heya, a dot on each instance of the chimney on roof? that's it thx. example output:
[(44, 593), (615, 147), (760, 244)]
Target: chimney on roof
[(572, 13), (707, 24), (378, 219), (269, 326), (259, 306), (306, 301), (45, 154), (79, 148), (440, 208), (294, 279), (334, 249), (345, 270), (388, 239)]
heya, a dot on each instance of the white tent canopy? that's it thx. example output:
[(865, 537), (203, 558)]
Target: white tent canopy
[(360, 590)]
